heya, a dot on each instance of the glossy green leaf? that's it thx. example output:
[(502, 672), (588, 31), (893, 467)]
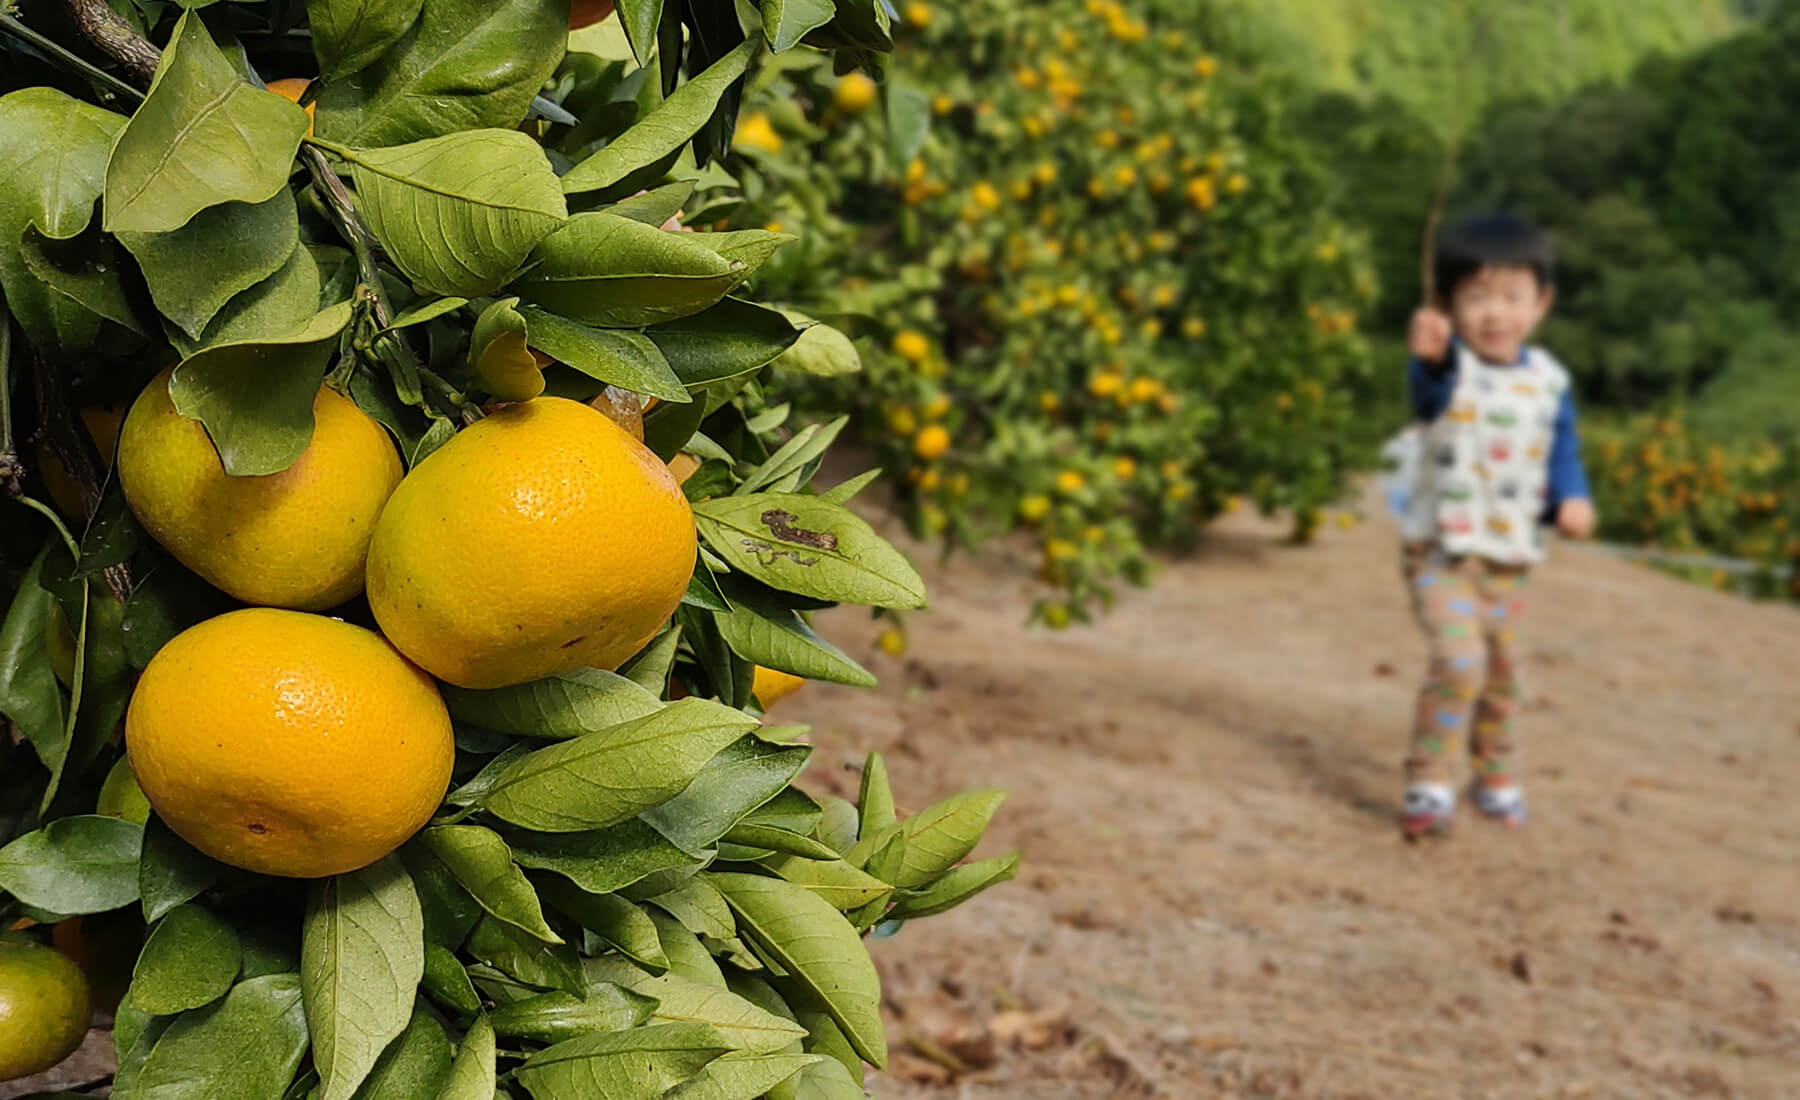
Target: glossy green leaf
[(758, 628), (458, 213), (785, 22), (448, 909), (483, 863), (602, 860), (278, 305), (688, 957), (821, 351), (171, 872), (908, 122), (563, 706), (807, 447), (483, 781), (422, 87), (256, 399), (88, 270), (817, 948), (750, 834), (666, 129), (650, 668), (639, 19), (742, 1076), (679, 1000), (843, 886), (224, 250), (347, 35), (472, 1073), (731, 339), (621, 1065), (700, 908), (743, 776), (427, 311), (827, 1080), (603, 778), (362, 953), (957, 885), (655, 206), (498, 357), (875, 798), (939, 836), (530, 960), (621, 923), (247, 1044), (74, 865), (414, 1066), (190, 959), (558, 1015), (811, 547), (29, 694), (629, 360), (837, 825), (601, 269), (446, 981), (203, 136)]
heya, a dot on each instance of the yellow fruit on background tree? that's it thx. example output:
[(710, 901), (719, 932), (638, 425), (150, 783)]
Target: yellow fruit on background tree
[(44, 1008), (854, 93), (294, 539), (771, 686), (542, 538), (288, 743)]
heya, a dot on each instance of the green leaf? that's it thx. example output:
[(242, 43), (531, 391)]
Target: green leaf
[(785, 22), (650, 668), (256, 398), (843, 886), (621, 1065), (688, 957), (837, 825), (74, 865), (743, 1076), (225, 250), (472, 1074), (811, 547), (663, 131), (640, 18), (513, 951), (458, 213), (202, 136), (875, 799), (414, 1066), (700, 908), (743, 776), (446, 981), (465, 65), (602, 860), (558, 1015), (603, 778), (613, 272), (483, 781), (908, 122), (29, 694), (245, 1045), (752, 247), (817, 947), (483, 863), (629, 360), (614, 919), (563, 706), (939, 836), (362, 953), (752, 834), (732, 338), (957, 886), (758, 628), (53, 151), (828, 1080), (448, 909), (190, 959), (669, 427), (740, 1024), (274, 307), (87, 270), (657, 205), (347, 35), (426, 311), (821, 350), (501, 362), (171, 872)]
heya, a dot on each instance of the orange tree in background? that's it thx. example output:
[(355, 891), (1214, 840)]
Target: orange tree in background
[(399, 556), (1102, 291)]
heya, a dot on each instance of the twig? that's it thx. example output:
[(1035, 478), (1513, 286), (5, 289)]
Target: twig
[(104, 27), (12, 472), (58, 52)]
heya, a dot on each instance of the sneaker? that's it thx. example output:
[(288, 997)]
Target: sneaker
[(1503, 803), (1427, 810)]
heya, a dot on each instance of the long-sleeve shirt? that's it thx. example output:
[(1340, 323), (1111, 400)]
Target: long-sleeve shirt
[(1431, 385)]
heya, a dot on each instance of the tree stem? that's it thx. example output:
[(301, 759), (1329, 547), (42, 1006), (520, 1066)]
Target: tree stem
[(12, 472), (104, 27), (112, 84)]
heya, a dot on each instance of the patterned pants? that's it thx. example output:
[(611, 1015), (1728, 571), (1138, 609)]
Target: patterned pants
[(1470, 609)]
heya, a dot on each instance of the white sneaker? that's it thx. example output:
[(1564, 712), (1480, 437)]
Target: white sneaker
[(1428, 809)]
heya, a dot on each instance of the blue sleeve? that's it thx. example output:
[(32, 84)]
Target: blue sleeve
[(1568, 478), (1430, 386)]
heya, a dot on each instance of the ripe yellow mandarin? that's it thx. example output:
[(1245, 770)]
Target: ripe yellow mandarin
[(287, 743), (892, 642), (683, 466), (291, 88), (1034, 508), (44, 1008), (771, 686), (1105, 384), (102, 426), (1124, 467), (911, 345), (918, 14), (542, 538), (854, 93), (294, 539), (1070, 481), (754, 131), (902, 422), (931, 442)]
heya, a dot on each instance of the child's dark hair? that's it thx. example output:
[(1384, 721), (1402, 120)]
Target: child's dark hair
[(1492, 240)]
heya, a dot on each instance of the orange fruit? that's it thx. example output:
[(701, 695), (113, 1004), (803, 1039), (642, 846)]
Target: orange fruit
[(931, 442), (102, 424), (540, 539), (770, 686), (44, 1008), (292, 88), (294, 539), (683, 466), (854, 93), (287, 743)]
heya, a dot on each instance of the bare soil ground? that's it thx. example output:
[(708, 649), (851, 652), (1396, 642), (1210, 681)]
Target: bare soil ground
[(1215, 902)]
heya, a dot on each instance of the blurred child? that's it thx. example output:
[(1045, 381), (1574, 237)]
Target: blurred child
[(1499, 460)]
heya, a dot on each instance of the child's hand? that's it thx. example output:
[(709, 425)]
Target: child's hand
[(1575, 519), (1429, 334)]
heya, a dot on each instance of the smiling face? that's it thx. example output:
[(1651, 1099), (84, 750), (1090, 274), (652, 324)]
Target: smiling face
[(1496, 309)]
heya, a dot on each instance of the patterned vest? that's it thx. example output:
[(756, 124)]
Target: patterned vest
[(1483, 474)]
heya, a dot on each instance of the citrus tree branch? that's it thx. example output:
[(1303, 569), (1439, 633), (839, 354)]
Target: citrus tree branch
[(109, 33)]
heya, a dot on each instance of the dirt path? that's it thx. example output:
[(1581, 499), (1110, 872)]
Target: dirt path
[(1215, 899)]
